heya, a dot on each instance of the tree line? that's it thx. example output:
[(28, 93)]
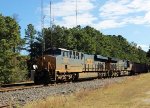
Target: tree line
[(13, 65), (87, 40)]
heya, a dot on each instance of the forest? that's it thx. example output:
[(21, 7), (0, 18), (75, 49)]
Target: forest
[(13, 64)]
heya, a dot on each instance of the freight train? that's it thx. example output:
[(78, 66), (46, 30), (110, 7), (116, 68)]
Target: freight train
[(57, 64)]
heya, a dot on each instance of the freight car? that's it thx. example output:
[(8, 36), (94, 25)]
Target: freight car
[(65, 65)]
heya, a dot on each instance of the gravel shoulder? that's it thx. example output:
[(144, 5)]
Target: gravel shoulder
[(21, 97), (131, 92)]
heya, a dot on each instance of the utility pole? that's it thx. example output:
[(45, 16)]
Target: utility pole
[(42, 32), (50, 8), (42, 27), (76, 12), (50, 13)]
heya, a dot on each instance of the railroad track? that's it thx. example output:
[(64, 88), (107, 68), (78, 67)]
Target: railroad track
[(22, 87), (5, 106), (28, 85), (18, 86), (7, 89)]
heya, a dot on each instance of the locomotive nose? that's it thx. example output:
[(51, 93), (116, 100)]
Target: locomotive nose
[(49, 63), (45, 71)]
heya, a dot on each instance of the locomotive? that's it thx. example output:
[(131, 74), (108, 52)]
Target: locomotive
[(59, 64)]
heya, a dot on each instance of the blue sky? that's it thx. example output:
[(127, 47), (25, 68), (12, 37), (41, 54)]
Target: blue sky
[(129, 18)]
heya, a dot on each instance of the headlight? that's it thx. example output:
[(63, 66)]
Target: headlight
[(35, 67)]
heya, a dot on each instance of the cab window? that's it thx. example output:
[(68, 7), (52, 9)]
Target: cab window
[(65, 53)]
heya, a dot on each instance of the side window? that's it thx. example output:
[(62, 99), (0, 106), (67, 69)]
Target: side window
[(66, 54), (70, 54), (74, 55), (77, 55), (82, 56)]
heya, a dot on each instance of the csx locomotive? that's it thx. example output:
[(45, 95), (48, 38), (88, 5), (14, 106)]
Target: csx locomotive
[(61, 64)]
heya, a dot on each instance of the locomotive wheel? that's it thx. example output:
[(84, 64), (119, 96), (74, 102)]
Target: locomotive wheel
[(110, 74), (119, 73), (75, 76), (100, 75)]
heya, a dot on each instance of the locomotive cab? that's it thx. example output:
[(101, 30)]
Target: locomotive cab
[(57, 64), (45, 66)]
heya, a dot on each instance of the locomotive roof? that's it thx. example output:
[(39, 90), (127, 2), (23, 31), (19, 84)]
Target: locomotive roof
[(101, 58), (113, 60), (56, 49), (63, 49)]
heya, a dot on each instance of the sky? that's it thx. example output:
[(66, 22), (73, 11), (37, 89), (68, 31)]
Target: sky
[(129, 18)]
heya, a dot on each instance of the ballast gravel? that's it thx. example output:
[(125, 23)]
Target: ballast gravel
[(21, 97)]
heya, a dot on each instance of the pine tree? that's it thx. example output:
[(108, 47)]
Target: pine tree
[(30, 46), (30, 39), (9, 42)]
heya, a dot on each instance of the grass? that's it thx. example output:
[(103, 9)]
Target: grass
[(131, 93)]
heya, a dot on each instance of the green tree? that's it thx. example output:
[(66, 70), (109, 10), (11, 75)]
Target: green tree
[(92, 41), (30, 39), (148, 55), (10, 43)]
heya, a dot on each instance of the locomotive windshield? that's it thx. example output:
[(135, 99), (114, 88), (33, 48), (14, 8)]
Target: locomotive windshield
[(53, 52)]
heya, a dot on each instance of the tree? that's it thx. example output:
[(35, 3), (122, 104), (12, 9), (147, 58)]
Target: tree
[(30, 39), (92, 41), (9, 43), (148, 54)]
